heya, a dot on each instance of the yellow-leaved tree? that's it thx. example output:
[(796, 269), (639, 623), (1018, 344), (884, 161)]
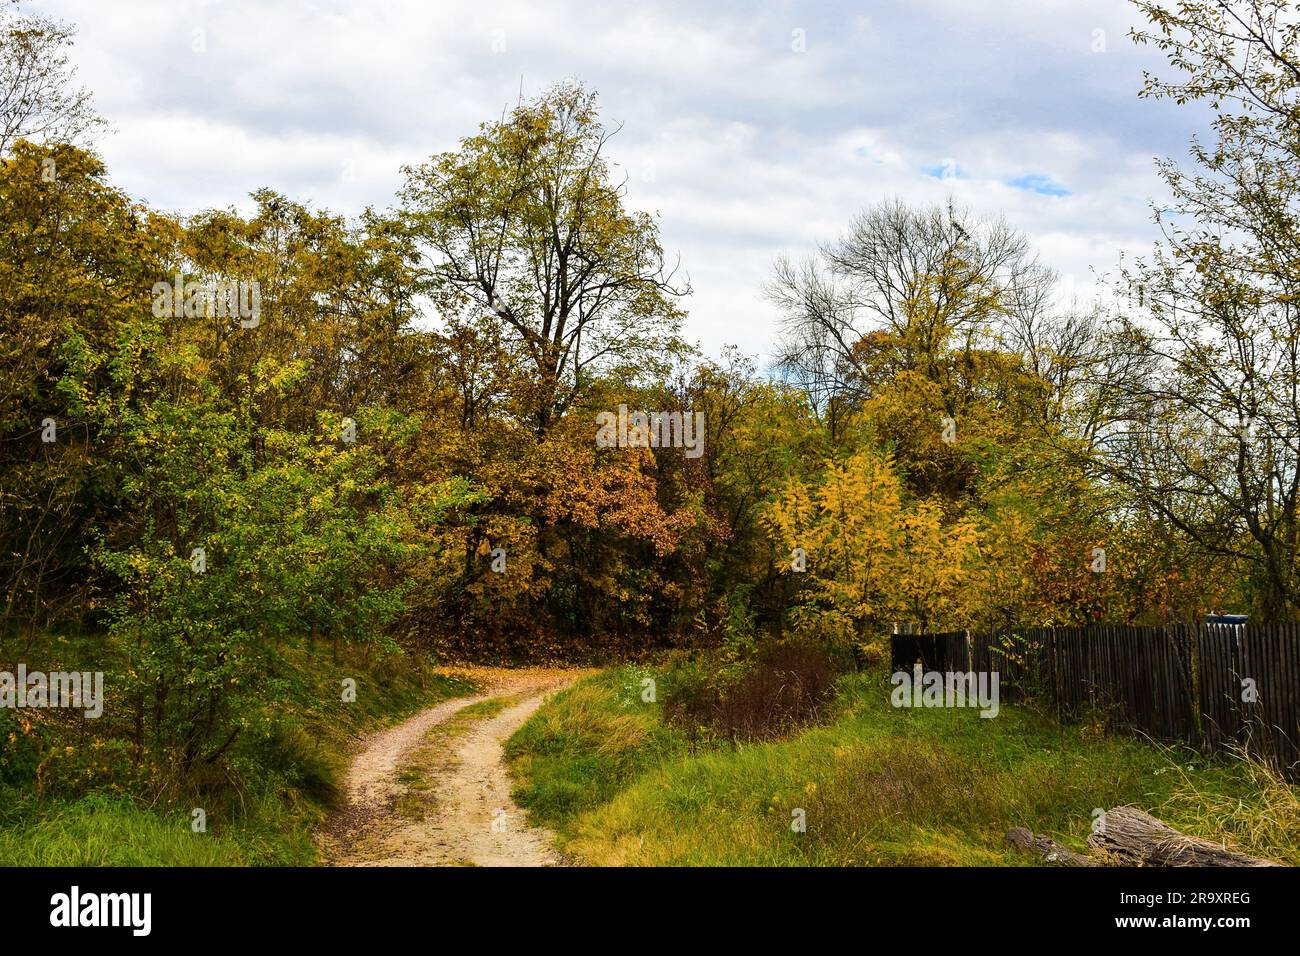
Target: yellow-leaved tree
[(870, 555)]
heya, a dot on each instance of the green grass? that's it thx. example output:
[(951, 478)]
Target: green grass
[(585, 744), (82, 795), (104, 831), (877, 786), (479, 711)]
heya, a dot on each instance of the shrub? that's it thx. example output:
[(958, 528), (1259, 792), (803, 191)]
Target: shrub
[(20, 751), (786, 685)]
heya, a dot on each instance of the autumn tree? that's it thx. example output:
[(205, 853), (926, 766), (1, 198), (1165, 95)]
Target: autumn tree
[(871, 555), (38, 96), (526, 223), (1209, 442), (77, 262)]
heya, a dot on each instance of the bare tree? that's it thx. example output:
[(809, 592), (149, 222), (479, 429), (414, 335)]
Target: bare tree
[(933, 277), (1086, 360)]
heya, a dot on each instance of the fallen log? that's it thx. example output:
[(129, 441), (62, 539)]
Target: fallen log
[(1051, 851), (1129, 837), (1126, 836)]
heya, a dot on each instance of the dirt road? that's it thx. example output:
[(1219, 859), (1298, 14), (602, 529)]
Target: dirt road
[(433, 791)]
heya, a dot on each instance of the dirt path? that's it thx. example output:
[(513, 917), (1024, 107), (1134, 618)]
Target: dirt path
[(433, 791)]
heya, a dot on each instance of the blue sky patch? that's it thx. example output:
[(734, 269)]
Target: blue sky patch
[(1038, 183), (948, 169)]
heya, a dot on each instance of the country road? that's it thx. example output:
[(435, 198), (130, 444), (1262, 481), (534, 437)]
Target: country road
[(434, 791)]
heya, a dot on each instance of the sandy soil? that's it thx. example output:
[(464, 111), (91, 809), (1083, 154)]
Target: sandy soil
[(433, 791)]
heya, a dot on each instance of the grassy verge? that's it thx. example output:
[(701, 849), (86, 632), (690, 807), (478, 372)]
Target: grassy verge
[(77, 792), (875, 786), (586, 744)]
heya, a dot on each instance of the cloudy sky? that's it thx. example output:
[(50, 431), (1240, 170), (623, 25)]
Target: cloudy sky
[(750, 128)]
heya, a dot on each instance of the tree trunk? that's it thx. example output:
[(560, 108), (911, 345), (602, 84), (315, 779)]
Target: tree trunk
[(1131, 837), (1048, 849)]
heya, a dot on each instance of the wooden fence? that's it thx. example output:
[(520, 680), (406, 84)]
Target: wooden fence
[(1216, 687)]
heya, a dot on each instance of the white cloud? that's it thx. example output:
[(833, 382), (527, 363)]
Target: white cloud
[(744, 146)]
